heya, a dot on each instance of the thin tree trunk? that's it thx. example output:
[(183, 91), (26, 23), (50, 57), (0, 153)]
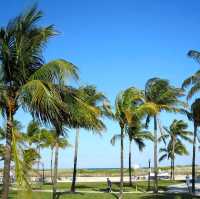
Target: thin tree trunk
[(55, 176), (38, 163), (155, 156), (73, 186), (171, 172), (7, 157), (174, 169), (130, 164), (52, 165), (194, 158), (173, 157), (122, 164)]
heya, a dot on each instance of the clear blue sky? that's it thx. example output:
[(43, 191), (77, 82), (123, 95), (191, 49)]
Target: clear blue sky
[(117, 44)]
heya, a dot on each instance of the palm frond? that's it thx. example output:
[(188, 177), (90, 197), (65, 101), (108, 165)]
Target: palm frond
[(56, 71)]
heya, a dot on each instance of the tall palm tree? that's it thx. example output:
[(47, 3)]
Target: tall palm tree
[(165, 97), (129, 107), (194, 82), (170, 151), (194, 115), (25, 79), (176, 132), (138, 135), (87, 119)]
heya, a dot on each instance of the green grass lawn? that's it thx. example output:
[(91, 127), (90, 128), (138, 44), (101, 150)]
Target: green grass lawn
[(141, 186), (103, 196), (100, 186)]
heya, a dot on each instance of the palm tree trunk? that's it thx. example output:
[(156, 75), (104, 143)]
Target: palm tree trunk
[(73, 186), (55, 176), (38, 163), (173, 157), (7, 157), (155, 156), (171, 172), (194, 158), (122, 164), (130, 169), (52, 164)]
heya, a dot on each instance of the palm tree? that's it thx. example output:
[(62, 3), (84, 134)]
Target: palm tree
[(194, 82), (165, 97), (34, 136), (176, 132), (129, 107), (87, 119), (138, 135), (26, 80), (194, 115), (50, 139), (170, 151), (60, 142)]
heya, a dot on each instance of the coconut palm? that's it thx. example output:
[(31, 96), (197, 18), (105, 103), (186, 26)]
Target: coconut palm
[(165, 98), (170, 151), (50, 140), (138, 135), (88, 119), (194, 116), (25, 79), (129, 107), (37, 136), (176, 132)]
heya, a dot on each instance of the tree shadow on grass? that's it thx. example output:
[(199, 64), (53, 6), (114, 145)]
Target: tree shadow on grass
[(168, 196), (58, 195), (83, 187)]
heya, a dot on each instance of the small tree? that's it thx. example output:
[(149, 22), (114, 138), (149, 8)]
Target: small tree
[(175, 133)]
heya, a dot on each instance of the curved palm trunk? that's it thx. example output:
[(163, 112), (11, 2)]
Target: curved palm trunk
[(52, 165), (55, 175), (7, 157), (155, 156), (194, 158), (122, 164), (130, 164), (73, 186)]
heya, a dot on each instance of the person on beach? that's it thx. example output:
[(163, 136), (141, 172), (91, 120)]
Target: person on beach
[(109, 183)]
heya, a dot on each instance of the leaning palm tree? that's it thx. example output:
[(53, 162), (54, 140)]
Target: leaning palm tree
[(138, 135), (194, 115), (26, 81), (87, 119), (176, 132), (170, 151), (129, 107), (165, 97)]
